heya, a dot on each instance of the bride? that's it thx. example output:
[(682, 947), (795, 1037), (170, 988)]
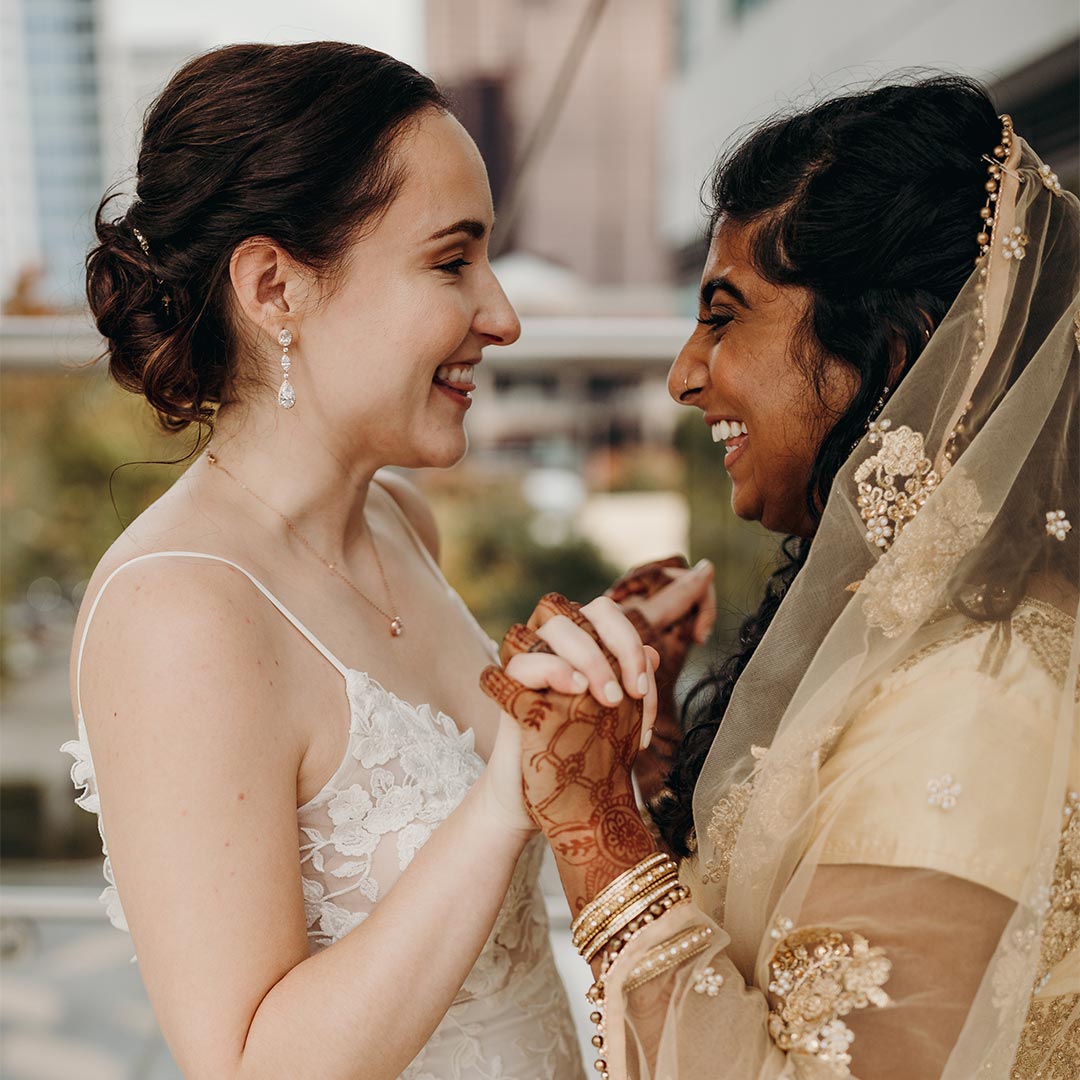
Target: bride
[(320, 875), (878, 804)]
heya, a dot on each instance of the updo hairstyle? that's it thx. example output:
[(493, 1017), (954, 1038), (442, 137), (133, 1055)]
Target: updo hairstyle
[(290, 142)]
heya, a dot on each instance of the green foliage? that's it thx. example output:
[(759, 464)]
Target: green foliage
[(501, 570), (742, 551), (61, 438)]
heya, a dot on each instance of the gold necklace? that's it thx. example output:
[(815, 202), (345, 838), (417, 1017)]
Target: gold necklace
[(397, 625)]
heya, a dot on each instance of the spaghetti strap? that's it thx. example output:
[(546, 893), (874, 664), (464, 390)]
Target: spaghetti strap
[(330, 657), (414, 536)]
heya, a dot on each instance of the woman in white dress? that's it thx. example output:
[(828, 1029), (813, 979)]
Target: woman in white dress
[(320, 876)]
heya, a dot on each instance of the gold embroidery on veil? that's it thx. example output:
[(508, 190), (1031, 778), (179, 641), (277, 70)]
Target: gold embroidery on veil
[(816, 977), (901, 590), (1052, 1026)]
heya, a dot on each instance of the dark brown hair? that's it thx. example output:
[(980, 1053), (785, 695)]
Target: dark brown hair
[(290, 142), (867, 200)]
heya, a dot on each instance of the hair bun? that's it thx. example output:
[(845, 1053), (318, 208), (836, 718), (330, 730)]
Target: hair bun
[(148, 343)]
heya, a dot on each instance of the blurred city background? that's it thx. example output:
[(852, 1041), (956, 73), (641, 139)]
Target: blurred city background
[(598, 121)]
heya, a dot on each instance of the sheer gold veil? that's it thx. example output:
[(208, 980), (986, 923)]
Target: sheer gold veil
[(955, 515)]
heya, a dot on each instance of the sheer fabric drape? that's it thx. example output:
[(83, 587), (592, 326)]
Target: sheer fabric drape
[(892, 887)]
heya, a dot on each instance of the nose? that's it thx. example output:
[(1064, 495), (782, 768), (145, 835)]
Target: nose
[(688, 375), (496, 320)]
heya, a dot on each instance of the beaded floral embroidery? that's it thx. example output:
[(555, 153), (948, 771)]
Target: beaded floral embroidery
[(903, 588), (885, 505), (816, 977), (943, 793)]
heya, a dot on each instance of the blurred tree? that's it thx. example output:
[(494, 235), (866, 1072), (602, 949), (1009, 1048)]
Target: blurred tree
[(62, 437), (742, 551), (499, 567)]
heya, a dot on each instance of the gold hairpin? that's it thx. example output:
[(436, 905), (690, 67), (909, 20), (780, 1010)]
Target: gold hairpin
[(144, 244), (142, 241)]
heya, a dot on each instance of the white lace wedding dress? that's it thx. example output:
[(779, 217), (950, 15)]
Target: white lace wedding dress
[(405, 769)]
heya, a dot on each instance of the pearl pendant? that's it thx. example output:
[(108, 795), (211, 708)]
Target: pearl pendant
[(397, 627)]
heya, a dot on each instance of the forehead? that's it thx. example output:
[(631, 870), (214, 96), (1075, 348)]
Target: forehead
[(445, 178), (729, 252)]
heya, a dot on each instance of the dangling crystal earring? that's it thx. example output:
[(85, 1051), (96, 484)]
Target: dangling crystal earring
[(286, 395), (878, 407)]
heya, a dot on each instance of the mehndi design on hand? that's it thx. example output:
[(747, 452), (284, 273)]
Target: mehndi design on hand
[(577, 755), (673, 644)]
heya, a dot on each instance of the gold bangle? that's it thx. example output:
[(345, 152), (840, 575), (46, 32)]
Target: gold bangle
[(617, 921), (662, 904), (650, 907), (629, 910), (623, 882), (615, 895)]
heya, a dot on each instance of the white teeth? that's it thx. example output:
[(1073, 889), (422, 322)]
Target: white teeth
[(454, 374), (723, 430)]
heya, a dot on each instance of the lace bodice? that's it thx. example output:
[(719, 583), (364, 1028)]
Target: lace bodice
[(405, 769)]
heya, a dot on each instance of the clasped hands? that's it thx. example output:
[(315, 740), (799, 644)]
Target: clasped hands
[(586, 687)]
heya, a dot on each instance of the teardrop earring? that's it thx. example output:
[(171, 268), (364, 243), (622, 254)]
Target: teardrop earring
[(286, 395)]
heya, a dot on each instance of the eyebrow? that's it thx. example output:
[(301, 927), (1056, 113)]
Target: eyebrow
[(470, 226), (723, 284)]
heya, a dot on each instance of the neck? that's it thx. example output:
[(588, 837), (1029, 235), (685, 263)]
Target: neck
[(289, 461)]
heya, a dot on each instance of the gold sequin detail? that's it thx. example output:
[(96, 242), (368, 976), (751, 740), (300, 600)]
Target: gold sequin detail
[(816, 977), (1038, 1056), (1050, 1041), (662, 958), (727, 818), (1048, 632), (905, 586), (884, 505)]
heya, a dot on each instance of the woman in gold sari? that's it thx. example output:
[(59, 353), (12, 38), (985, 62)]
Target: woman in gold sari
[(875, 804)]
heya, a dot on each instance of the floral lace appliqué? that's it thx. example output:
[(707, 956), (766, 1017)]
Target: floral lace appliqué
[(727, 818), (885, 504), (902, 590), (817, 976)]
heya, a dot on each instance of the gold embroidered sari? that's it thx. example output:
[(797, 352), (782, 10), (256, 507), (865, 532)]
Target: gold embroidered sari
[(892, 887)]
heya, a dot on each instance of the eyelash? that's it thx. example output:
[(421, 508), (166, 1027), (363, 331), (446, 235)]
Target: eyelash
[(716, 320), (454, 267)]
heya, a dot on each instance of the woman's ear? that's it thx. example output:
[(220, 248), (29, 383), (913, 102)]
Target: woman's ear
[(268, 285), (899, 361)]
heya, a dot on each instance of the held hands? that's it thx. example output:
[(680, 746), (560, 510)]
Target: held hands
[(672, 607), (580, 731)]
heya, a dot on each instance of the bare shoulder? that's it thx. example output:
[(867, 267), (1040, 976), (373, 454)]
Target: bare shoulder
[(168, 630), (415, 507)]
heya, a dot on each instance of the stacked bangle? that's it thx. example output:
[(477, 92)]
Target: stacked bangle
[(637, 896), (605, 926)]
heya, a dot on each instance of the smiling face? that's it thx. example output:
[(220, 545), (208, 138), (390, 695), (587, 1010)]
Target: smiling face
[(742, 368), (393, 346)]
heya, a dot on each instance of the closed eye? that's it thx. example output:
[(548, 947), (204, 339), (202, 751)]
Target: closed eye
[(455, 266), (715, 319)]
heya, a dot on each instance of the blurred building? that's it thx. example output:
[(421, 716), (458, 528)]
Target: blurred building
[(739, 60), (590, 200), (53, 132), (582, 254)]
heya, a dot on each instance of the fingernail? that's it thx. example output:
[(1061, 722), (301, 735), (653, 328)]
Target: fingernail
[(646, 740), (579, 682), (613, 692), (643, 683), (702, 564)]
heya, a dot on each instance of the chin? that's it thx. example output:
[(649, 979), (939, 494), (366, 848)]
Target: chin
[(447, 454)]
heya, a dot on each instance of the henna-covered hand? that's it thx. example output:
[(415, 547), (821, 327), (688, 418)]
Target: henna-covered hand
[(577, 756), (671, 606)]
